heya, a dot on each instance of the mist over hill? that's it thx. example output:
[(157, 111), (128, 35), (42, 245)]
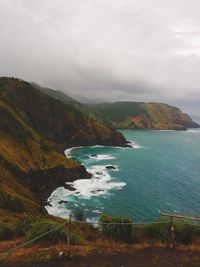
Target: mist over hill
[(132, 115)]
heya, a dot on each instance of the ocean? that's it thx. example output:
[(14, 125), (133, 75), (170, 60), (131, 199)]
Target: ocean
[(160, 173)]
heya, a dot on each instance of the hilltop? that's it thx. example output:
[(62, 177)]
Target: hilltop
[(140, 115), (131, 115)]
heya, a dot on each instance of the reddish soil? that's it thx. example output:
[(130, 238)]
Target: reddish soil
[(148, 257), (137, 119)]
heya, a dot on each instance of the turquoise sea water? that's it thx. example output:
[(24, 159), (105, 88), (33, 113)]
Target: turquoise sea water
[(161, 173)]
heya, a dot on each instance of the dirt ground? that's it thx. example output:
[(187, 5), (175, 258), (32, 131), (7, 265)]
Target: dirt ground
[(148, 257)]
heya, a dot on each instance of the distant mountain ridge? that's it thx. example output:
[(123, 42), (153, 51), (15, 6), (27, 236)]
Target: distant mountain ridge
[(196, 118), (132, 115), (140, 115)]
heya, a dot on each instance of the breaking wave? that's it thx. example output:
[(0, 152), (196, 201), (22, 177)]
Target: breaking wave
[(197, 131), (101, 157), (100, 184)]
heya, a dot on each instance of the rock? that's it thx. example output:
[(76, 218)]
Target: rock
[(97, 191), (99, 173), (110, 167), (48, 203), (61, 254), (62, 202), (94, 155)]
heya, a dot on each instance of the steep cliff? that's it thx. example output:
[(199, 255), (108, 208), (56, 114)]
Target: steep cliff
[(138, 115), (34, 131)]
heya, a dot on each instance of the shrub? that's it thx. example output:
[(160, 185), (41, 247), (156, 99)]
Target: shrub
[(158, 232), (76, 239), (24, 226), (186, 233), (6, 232), (10, 203), (138, 235), (116, 231), (42, 226), (79, 215), (45, 146)]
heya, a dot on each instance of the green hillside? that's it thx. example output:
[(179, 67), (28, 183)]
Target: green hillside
[(130, 115), (34, 131), (139, 115), (68, 101)]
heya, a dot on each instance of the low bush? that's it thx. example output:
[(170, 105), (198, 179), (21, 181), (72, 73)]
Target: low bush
[(114, 227), (186, 233), (42, 226), (24, 226), (6, 232), (138, 235), (76, 239), (158, 232), (79, 215), (13, 204)]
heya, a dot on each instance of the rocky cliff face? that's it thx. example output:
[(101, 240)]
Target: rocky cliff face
[(34, 131), (63, 123), (136, 115)]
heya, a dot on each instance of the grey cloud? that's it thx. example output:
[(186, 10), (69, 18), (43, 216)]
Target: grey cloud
[(108, 49)]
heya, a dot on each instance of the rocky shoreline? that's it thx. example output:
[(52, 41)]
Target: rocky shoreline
[(45, 182)]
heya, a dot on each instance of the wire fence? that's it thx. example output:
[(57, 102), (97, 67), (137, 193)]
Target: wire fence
[(99, 224), (31, 241)]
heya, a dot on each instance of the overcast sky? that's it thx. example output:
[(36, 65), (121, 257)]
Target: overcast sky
[(140, 50)]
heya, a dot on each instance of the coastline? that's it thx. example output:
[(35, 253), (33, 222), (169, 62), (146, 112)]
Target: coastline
[(99, 182), (97, 172)]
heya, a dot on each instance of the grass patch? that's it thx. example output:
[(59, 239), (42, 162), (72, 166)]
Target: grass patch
[(6, 232), (158, 232), (113, 230), (79, 215), (42, 226), (77, 239), (186, 233), (10, 203)]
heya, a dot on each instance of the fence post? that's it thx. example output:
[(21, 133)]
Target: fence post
[(172, 233), (69, 235)]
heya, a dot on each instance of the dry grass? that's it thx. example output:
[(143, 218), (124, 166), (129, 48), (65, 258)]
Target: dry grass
[(45, 252)]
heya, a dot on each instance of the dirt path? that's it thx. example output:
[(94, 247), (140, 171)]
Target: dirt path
[(149, 257)]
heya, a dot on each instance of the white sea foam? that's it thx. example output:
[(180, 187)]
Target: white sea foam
[(100, 184), (102, 157), (55, 208), (135, 145), (166, 130), (96, 211), (193, 131), (98, 146), (68, 151), (93, 220)]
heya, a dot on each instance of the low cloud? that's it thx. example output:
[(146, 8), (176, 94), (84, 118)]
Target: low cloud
[(111, 50)]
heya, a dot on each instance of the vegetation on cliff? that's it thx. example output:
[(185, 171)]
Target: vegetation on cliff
[(34, 131), (130, 115), (139, 115)]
